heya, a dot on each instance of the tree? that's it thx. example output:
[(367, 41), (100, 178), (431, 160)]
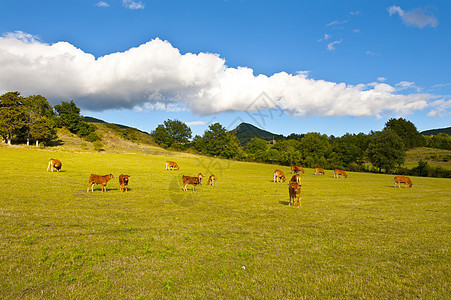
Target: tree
[(173, 133), (386, 150), (255, 145), (38, 114), (69, 117), (12, 115), (217, 141), (406, 131), (161, 136), (42, 131)]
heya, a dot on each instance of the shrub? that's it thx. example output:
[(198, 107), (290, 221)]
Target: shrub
[(98, 145), (92, 137)]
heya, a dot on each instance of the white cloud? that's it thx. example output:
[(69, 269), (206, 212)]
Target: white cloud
[(441, 108), (416, 18), (336, 23), (102, 4), (382, 79), (331, 46), (156, 75), (325, 38), (132, 4), (195, 123)]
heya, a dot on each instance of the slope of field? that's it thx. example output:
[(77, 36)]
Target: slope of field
[(434, 157), (352, 238)]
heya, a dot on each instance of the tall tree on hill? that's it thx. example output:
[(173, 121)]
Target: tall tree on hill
[(217, 141), (69, 116), (406, 131), (386, 150), (173, 133), (38, 113), (12, 115)]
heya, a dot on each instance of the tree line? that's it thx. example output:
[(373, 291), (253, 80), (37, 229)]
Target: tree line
[(385, 149), (32, 118)]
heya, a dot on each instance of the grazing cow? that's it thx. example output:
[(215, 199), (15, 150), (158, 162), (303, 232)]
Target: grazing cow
[(192, 180), (296, 178), (338, 173), (402, 179), (171, 165), (297, 170), (211, 180), (54, 163), (97, 179), (319, 171), (279, 175), (294, 189), (123, 181)]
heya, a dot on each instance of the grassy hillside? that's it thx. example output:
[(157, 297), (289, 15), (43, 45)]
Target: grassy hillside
[(353, 238), (434, 157)]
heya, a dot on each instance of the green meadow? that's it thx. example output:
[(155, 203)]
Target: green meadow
[(352, 238)]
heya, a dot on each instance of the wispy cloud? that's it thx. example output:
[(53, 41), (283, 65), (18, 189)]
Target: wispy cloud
[(102, 4), (331, 46), (416, 18), (355, 13), (440, 108), (155, 75), (195, 123), (325, 38), (131, 4), (336, 23), (382, 79)]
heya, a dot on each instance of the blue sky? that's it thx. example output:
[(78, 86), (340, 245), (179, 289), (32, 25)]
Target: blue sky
[(333, 67)]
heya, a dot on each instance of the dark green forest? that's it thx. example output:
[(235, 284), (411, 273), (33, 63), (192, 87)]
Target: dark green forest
[(32, 118)]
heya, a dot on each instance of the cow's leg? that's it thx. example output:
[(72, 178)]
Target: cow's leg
[(50, 163)]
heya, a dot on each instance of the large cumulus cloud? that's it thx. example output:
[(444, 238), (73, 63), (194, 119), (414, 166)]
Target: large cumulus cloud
[(156, 72)]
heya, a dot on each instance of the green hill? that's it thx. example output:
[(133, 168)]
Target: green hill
[(245, 132), (446, 130)]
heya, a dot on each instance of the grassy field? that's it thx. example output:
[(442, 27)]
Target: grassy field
[(352, 238)]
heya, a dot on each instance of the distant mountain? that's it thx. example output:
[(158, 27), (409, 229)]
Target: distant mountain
[(245, 132), (446, 130)]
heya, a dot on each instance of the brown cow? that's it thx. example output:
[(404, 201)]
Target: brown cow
[(192, 180), (123, 181), (171, 165), (402, 179), (54, 163), (97, 179), (297, 170), (294, 189), (279, 175), (211, 180), (338, 172), (296, 178), (319, 171)]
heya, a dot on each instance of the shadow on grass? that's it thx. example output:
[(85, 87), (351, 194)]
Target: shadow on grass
[(284, 202)]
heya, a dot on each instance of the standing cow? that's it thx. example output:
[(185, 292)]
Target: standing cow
[(123, 182), (319, 171), (294, 190), (172, 165), (279, 175), (97, 179), (192, 180), (54, 163), (402, 179), (338, 173), (297, 170), (211, 180)]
